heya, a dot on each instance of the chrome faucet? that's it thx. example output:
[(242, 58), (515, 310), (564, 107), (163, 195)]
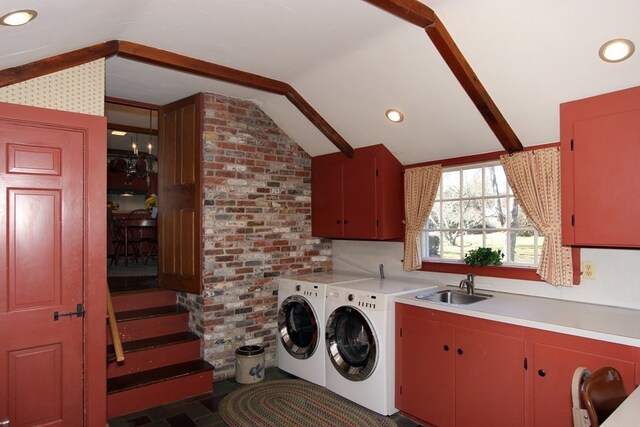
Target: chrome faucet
[(468, 282)]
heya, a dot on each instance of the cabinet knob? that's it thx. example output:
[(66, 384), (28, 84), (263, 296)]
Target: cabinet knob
[(446, 347), (460, 351), (338, 222), (345, 221), (541, 372)]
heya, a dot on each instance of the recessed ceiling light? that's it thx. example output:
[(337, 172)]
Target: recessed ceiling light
[(394, 115), (118, 133), (616, 50), (19, 17)]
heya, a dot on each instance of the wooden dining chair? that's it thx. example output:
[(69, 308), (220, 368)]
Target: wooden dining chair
[(116, 234), (601, 392)]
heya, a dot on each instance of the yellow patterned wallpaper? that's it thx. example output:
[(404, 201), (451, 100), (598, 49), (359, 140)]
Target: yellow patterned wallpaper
[(79, 89)]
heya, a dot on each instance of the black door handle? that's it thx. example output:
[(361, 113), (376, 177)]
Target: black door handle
[(460, 351), (78, 313)]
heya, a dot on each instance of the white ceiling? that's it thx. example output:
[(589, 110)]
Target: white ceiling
[(352, 61)]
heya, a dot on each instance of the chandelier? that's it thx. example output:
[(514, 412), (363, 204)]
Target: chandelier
[(140, 165)]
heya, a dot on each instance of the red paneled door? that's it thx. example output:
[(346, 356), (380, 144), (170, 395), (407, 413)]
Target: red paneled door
[(41, 260)]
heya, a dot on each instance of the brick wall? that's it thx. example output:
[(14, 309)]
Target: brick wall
[(256, 227)]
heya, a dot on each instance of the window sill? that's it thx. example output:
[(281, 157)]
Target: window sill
[(505, 272), (502, 271)]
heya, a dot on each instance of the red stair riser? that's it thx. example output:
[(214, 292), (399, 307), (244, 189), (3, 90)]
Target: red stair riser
[(137, 300), (144, 360), (140, 398), (151, 327)]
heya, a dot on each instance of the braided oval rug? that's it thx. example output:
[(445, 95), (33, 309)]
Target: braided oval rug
[(294, 403)]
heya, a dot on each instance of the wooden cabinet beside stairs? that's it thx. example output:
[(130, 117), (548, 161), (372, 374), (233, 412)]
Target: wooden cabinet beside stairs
[(454, 370), (600, 143), (358, 198)]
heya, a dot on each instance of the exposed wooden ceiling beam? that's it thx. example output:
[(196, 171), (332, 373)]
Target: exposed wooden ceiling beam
[(421, 15), (56, 63), (199, 67), (174, 61)]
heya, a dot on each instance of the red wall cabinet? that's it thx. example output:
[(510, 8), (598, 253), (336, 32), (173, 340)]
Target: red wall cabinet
[(455, 370), (600, 143), (358, 198), (554, 358)]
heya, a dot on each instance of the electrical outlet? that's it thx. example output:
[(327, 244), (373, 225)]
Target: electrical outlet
[(588, 270)]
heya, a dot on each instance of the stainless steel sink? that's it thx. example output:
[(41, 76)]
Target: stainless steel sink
[(452, 297)]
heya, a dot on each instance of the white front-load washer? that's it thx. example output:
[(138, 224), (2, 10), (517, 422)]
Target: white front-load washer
[(360, 341), (301, 313)]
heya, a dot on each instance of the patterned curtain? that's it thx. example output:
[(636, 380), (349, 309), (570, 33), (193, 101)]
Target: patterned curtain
[(534, 177), (420, 187)]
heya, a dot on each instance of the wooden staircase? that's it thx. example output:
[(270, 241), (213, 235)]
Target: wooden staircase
[(162, 358)]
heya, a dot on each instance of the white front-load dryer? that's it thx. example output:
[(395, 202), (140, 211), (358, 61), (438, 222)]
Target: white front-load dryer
[(301, 313), (360, 341)]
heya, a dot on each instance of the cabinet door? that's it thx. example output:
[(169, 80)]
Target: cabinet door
[(489, 379), (606, 184), (360, 201), (553, 371), (425, 367), (326, 197)]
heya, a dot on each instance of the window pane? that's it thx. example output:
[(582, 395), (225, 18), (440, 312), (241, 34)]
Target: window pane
[(472, 240), (472, 182), (434, 219), (451, 184), (518, 216), (522, 243), (496, 239), (433, 246), (495, 181), (472, 213), (495, 213), (450, 214), (451, 245)]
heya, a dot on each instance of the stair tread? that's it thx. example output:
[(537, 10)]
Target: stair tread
[(128, 292), (154, 342), (144, 313), (152, 376)]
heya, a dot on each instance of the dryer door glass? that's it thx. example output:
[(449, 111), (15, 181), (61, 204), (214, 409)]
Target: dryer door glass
[(298, 327), (351, 343)]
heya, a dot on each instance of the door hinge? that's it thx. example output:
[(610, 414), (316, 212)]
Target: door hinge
[(571, 144), (400, 332), (78, 313), (573, 220), (377, 223), (376, 171), (526, 364), (400, 390)]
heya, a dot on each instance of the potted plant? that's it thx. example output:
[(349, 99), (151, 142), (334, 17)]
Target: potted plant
[(483, 256)]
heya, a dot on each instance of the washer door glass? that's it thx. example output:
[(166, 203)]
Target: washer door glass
[(351, 343), (298, 326)]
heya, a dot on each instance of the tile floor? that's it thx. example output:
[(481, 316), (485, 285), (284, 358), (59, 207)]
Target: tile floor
[(203, 410)]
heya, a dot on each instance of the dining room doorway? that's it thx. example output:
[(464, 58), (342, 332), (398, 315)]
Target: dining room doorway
[(132, 195)]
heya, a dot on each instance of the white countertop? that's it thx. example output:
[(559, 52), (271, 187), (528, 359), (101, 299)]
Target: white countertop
[(605, 323), (627, 414)]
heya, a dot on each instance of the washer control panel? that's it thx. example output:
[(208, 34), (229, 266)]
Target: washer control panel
[(360, 299)]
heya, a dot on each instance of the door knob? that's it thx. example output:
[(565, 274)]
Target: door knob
[(541, 372)]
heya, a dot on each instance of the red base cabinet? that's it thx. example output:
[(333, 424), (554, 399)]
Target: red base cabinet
[(458, 371), (600, 181), (554, 358), (454, 370), (358, 198)]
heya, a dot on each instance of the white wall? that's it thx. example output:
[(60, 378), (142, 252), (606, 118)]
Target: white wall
[(617, 273)]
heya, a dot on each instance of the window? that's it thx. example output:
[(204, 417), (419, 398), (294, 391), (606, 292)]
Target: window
[(475, 207)]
